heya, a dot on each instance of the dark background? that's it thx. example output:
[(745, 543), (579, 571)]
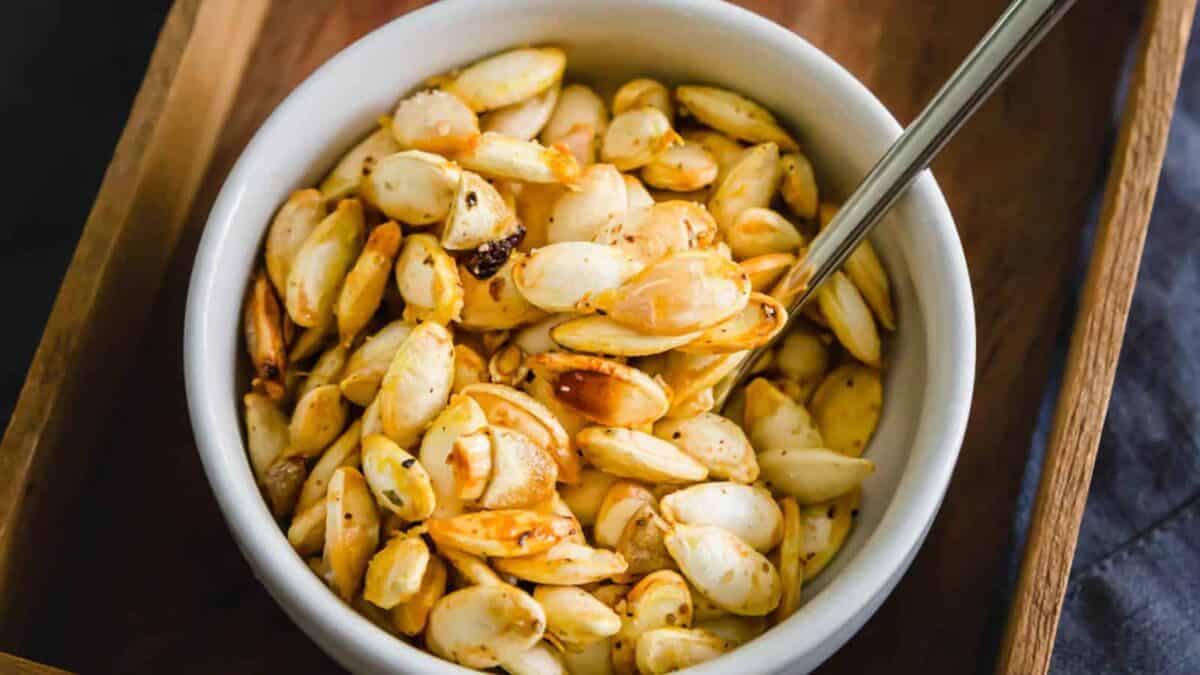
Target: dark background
[(68, 73)]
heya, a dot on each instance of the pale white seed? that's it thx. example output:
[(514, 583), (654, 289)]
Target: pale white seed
[(496, 303), (619, 503), (774, 420), (714, 441), (575, 617), (666, 650), (747, 511), (634, 454), (482, 626), (295, 220), (523, 120), (634, 138), (850, 318), (585, 497), (351, 530), (799, 185), (366, 367), (567, 563), (599, 200), (461, 418), (682, 168), (642, 93), (478, 216), (725, 569), (760, 231), (413, 186), (417, 383), (558, 277)]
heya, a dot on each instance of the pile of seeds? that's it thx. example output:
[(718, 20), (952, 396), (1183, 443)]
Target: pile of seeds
[(484, 352)]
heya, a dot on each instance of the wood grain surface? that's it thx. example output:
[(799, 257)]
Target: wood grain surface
[(1097, 338), (117, 269), (152, 572), (15, 665)]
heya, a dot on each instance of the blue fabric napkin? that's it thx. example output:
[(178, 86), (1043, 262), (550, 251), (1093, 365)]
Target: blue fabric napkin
[(1133, 602)]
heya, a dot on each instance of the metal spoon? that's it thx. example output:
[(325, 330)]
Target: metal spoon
[(1015, 33)]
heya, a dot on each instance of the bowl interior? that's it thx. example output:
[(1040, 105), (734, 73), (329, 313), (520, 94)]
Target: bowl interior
[(841, 128)]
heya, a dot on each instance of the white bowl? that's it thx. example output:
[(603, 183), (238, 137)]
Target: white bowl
[(842, 127)]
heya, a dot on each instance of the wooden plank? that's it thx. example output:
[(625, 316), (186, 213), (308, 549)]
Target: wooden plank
[(15, 665), (1096, 341), (114, 275), (1018, 179)]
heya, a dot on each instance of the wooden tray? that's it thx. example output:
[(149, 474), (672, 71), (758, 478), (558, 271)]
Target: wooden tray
[(113, 556)]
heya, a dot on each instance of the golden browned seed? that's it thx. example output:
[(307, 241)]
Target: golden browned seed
[(760, 231), (765, 270), (499, 156), (759, 321), (846, 407), (772, 419), (282, 485), (850, 318), (661, 599), (396, 572), (434, 121), (351, 530), (641, 544), (296, 219), (734, 114), (506, 407), (636, 137), (318, 419), (826, 526), (398, 481), (567, 563), (345, 451), (327, 370), (263, 328), (575, 617), (502, 533), (507, 78), (417, 383), (655, 231), (750, 182), (410, 617), (522, 472), (682, 293), (266, 432), (799, 185), (682, 168), (551, 294), (791, 563), (643, 93), (428, 281), (346, 177), (602, 390), (524, 119), (321, 263), (362, 290), (716, 442)]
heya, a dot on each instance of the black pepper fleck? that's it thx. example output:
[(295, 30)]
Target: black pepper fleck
[(409, 462)]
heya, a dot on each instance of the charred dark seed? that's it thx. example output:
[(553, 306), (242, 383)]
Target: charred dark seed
[(486, 260)]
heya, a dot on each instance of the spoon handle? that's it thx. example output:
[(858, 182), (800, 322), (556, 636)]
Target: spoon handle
[(1014, 34)]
